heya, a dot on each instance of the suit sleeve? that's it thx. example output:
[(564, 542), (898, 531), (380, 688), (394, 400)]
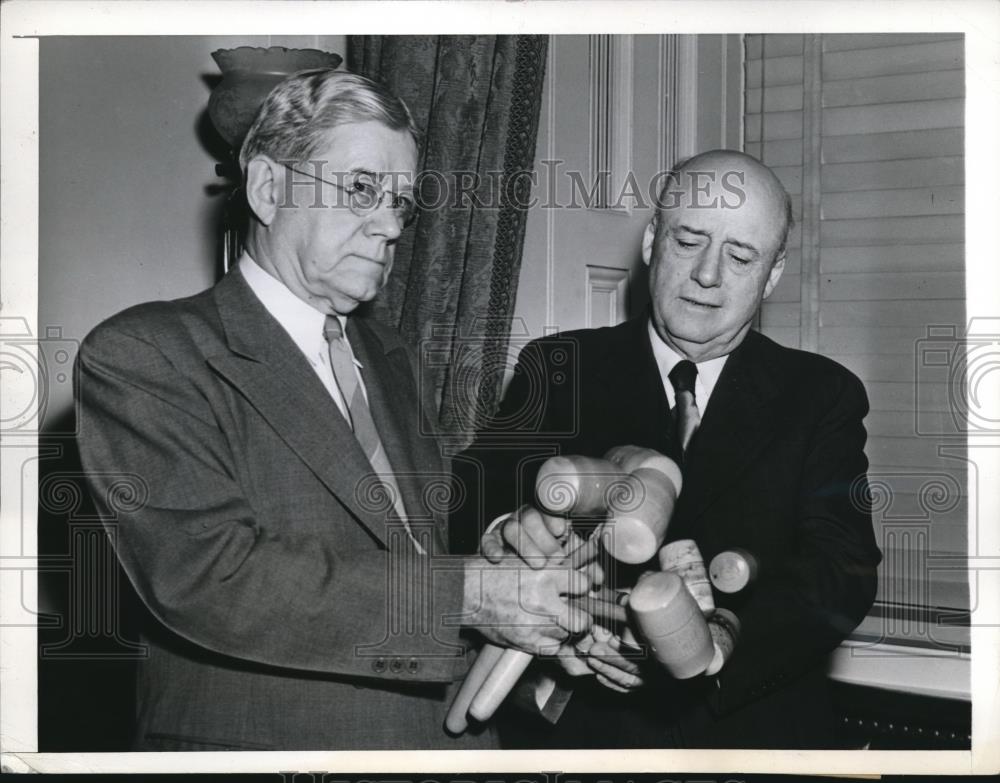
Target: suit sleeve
[(214, 572), (802, 610)]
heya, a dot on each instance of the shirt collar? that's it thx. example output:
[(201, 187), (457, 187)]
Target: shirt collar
[(303, 322), (666, 357)]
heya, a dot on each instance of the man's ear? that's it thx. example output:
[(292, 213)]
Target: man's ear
[(775, 274), (648, 238), (264, 186)]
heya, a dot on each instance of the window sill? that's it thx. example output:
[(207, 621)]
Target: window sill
[(941, 674)]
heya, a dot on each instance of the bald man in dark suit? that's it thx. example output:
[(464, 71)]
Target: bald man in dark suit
[(775, 466)]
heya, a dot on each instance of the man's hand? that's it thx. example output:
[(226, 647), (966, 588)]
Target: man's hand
[(572, 661), (534, 535), (516, 606), (540, 539), (601, 651)]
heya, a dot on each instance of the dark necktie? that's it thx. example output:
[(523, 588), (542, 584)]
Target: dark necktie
[(686, 415), (359, 414)]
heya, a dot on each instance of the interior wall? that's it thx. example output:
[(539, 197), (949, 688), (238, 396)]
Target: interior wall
[(127, 210)]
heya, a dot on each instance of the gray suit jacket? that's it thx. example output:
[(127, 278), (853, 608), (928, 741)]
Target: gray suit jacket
[(287, 607)]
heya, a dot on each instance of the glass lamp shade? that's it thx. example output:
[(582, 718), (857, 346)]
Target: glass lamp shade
[(249, 73)]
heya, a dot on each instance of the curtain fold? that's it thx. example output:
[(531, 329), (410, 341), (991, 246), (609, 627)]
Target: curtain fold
[(452, 290)]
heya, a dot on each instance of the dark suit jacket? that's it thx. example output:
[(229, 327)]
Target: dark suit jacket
[(777, 468), (288, 608)]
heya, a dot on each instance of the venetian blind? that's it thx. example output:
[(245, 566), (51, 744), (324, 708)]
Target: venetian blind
[(866, 133)]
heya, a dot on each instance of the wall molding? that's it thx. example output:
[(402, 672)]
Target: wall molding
[(607, 296), (679, 87), (611, 116)]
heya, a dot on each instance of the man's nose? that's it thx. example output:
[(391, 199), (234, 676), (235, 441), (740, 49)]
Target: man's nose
[(383, 221), (707, 271)]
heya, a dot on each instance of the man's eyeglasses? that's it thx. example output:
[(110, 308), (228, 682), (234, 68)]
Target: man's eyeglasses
[(363, 197)]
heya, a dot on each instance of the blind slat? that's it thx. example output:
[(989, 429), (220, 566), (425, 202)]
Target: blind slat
[(849, 41), (893, 258), (865, 339), (783, 314), (879, 366), (948, 200), (887, 175), (889, 231), (932, 496), (899, 396), (777, 45), (915, 58), (893, 286), (791, 178), (783, 152), (907, 144), (908, 452), (776, 70), (776, 125), (941, 537), (785, 98), (783, 335), (787, 290), (895, 88), (872, 312), (944, 590), (886, 117), (898, 424), (793, 260)]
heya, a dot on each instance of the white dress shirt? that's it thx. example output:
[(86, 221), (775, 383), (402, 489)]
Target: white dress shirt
[(304, 324), (708, 372)]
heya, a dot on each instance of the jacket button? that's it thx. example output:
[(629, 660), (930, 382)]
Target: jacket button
[(396, 666), (378, 665), (414, 666)]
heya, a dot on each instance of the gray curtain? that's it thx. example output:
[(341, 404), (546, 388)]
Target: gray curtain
[(477, 99)]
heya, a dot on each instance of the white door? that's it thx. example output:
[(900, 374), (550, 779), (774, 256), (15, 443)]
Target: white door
[(628, 106)]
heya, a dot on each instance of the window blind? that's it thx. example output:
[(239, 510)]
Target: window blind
[(866, 133)]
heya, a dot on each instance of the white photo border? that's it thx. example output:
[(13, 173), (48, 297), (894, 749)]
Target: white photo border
[(23, 22)]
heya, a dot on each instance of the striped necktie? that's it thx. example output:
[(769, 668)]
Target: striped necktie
[(686, 414), (359, 415)]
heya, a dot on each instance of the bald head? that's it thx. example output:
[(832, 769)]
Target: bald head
[(729, 178), (716, 250)]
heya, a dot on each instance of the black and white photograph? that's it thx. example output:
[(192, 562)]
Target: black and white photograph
[(583, 386)]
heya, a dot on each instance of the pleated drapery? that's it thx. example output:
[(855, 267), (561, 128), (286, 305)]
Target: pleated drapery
[(476, 99)]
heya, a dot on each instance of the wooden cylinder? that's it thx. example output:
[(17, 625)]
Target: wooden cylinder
[(575, 485), (631, 458), (684, 559), (724, 628), (671, 622), (639, 510), (732, 570), (499, 682), (457, 719)]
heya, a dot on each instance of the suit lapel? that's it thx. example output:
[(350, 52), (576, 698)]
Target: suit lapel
[(739, 422), (269, 370)]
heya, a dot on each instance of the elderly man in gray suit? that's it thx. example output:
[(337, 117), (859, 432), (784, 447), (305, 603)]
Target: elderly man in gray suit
[(298, 589)]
